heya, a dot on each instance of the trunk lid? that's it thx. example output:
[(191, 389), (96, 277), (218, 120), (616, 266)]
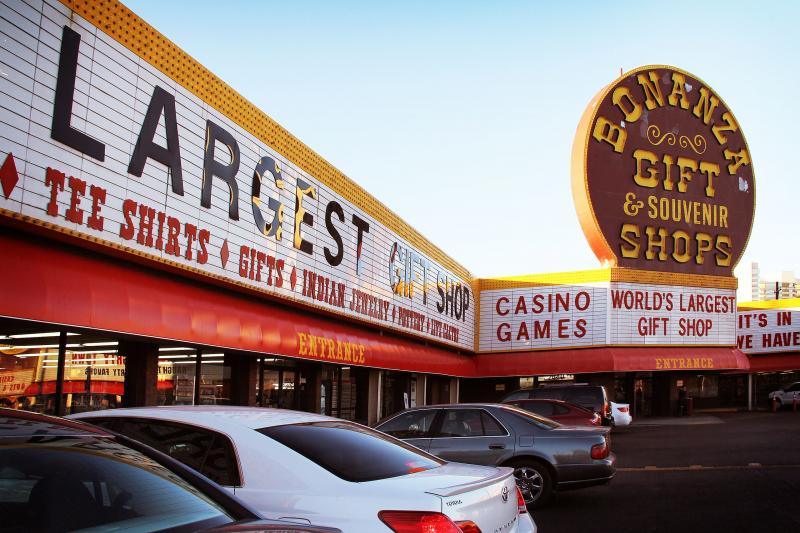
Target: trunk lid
[(487, 496)]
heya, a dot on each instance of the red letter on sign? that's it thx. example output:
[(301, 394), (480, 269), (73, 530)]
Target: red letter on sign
[(98, 197), (55, 180)]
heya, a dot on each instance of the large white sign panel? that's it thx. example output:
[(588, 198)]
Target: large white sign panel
[(626, 314), (95, 140), (769, 331)]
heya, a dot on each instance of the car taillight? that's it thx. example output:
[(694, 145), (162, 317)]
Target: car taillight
[(595, 420), (600, 451), (419, 522), (622, 409), (521, 507), (468, 526)]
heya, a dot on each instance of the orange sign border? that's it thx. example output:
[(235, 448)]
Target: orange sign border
[(580, 175)]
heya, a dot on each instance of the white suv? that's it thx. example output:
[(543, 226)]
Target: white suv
[(787, 394)]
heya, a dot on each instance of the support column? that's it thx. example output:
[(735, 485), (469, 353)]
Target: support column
[(59, 406), (455, 385), (243, 378), (749, 392), (373, 413), (141, 373)]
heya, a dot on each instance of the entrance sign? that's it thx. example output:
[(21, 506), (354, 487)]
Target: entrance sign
[(662, 177)]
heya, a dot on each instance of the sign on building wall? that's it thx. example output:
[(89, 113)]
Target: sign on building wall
[(99, 143), (768, 331), (662, 177), (610, 313)]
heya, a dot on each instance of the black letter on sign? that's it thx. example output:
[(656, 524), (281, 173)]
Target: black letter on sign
[(62, 108), (170, 156), (267, 164), (363, 227), (334, 207), (212, 167)]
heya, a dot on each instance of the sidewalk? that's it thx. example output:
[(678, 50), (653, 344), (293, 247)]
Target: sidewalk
[(695, 420)]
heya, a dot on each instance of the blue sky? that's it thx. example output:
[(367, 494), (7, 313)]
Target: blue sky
[(460, 116)]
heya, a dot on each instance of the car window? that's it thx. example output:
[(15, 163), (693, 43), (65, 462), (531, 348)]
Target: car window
[(468, 423), (410, 425), (559, 410), (352, 452), (548, 393), (795, 387), (540, 408), (66, 484), (491, 427), (542, 422), (518, 395), (208, 452), (585, 397)]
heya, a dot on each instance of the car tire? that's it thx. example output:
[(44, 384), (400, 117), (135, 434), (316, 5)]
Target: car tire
[(534, 481)]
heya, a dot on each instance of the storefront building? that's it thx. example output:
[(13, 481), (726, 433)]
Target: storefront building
[(166, 243)]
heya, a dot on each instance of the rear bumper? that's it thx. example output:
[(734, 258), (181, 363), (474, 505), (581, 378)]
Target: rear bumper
[(599, 472)]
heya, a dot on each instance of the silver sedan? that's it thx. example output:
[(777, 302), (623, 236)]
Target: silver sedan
[(545, 455)]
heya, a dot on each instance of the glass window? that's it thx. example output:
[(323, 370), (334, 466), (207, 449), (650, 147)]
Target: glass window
[(491, 427), (518, 395), (548, 393), (352, 452), (540, 408), (542, 422), (461, 423), (559, 410), (94, 370), (69, 484), (410, 425), (208, 452)]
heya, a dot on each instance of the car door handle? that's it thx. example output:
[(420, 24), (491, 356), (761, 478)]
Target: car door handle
[(497, 446)]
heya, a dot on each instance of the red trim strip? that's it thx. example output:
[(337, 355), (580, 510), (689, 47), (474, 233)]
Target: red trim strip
[(775, 362)]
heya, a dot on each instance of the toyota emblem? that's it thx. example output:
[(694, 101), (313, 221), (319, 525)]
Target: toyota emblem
[(504, 494)]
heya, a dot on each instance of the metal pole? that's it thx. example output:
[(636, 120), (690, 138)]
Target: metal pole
[(62, 362), (198, 372), (261, 381), (749, 392)]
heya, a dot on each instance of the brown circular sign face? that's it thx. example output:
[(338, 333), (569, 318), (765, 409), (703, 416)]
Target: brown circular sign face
[(661, 175)]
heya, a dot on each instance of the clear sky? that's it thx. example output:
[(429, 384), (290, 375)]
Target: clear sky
[(460, 116)]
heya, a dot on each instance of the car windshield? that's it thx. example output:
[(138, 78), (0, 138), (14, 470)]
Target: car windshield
[(542, 422), (352, 452), (94, 484)]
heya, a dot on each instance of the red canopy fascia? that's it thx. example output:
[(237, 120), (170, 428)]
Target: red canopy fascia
[(45, 280), (610, 359), (775, 362)]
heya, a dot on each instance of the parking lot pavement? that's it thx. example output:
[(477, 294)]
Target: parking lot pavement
[(739, 474)]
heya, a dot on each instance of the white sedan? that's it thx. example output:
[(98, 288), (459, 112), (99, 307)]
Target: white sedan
[(786, 395), (316, 469), (621, 414)]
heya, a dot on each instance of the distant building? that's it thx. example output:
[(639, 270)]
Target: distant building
[(772, 287)]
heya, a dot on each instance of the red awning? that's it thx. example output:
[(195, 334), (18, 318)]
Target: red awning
[(610, 359), (48, 281), (775, 362)]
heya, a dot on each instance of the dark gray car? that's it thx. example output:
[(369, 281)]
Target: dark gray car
[(545, 455)]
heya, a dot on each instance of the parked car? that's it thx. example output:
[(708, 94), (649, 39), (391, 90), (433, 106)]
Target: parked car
[(63, 475), (592, 397), (621, 413), (545, 455), (562, 412), (786, 395), (304, 466)]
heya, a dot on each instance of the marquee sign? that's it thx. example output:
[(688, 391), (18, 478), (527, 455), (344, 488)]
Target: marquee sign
[(606, 313), (768, 331), (99, 143), (662, 177)]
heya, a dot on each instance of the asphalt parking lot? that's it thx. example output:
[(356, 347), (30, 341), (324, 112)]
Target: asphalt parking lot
[(735, 472)]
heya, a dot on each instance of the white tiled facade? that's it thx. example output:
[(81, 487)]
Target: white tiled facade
[(112, 93)]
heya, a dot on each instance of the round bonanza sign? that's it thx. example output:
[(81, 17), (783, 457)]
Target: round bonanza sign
[(661, 175)]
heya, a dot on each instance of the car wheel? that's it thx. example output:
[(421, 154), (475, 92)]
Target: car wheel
[(534, 481)]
